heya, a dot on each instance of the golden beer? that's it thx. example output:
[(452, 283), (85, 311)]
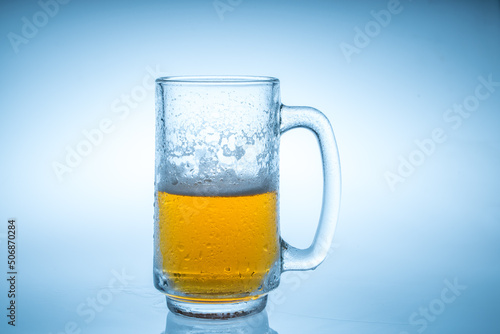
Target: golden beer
[(218, 245)]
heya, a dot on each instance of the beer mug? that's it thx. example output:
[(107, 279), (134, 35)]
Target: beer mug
[(217, 246)]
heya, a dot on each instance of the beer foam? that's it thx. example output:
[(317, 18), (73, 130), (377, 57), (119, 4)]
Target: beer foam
[(229, 185)]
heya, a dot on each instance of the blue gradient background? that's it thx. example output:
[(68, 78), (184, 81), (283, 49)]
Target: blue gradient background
[(393, 249)]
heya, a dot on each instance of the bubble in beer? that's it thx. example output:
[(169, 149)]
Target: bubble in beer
[(235, 244)]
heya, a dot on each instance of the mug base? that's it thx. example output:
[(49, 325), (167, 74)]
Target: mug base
[(216, 309)]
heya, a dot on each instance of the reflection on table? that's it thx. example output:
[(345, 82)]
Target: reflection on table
[(253, 324)]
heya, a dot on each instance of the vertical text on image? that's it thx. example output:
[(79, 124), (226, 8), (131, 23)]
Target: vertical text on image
[(11, 272)]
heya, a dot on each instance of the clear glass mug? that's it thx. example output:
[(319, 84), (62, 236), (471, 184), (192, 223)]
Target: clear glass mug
[(217, 247)]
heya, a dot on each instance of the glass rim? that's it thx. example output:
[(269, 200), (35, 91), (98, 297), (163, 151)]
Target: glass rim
[(217, 79)]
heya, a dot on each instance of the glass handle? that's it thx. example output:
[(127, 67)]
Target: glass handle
[(314, 120)]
